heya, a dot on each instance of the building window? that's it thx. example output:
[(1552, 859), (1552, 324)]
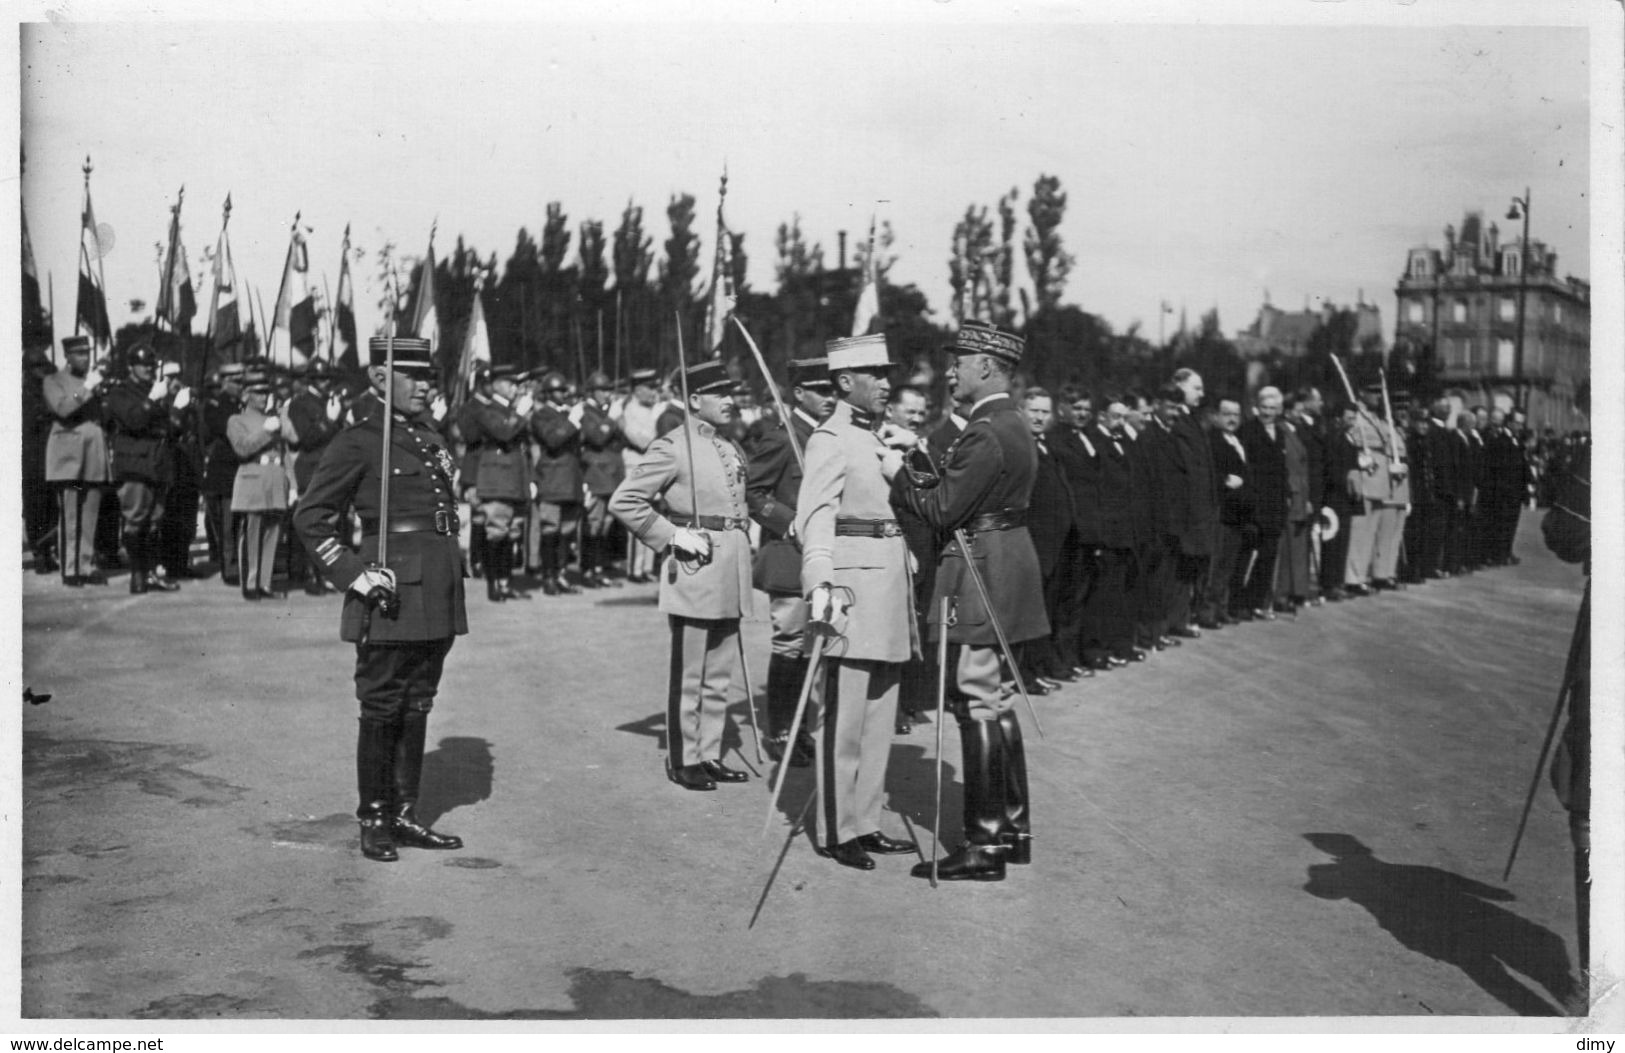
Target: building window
[(1504, 350), (1508, 309), (1419, 265), (1415, 312), (1458, 311), (1557, 312), (1511, 263)]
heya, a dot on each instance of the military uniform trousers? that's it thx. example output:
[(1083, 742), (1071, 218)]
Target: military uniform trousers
[(551, 524), (1374, 539), (973, 681), (704, 666), (399, 677), (141, 504), (503, 520), (852, 730), (595, 519), (81, 507)]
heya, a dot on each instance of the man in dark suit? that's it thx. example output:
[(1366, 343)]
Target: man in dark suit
[(1050, 522), (1234, 482), (1343, 503), (402, 616), (1108, 623), (313, 422), (1304, 413), (1194, 500), (1264, 440), (1505, 472), (983, 490), (1079, 566)]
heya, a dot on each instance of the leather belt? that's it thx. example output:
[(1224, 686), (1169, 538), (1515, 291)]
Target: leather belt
[(713, 522), (441, 522), (857, 526), (1004, 519)]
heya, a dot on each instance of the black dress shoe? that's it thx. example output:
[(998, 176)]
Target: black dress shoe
[(1082, 672), (851, 854), (161, 584), (1165, 642), (1133, 654), (1260, 614), (406, 830), (1188, 632), (95, 577), (881, 845), (46, 565), (73, 581), (722, 773), (562, 584), (967, 863), (1357, 589), (1102, 664), (691, 777), (1385, 584)]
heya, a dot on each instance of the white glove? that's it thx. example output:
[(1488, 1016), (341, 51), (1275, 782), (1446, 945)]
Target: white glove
[(578, 411), (891, 461), (524, 404), (1398, 469), (335, 406), (93, 380), (437, 408), (897, 437), (535, 492), (830, 606), (1232, 481), (373, 578), (160, 388), (273, 424), (183, 398), (692, 544)]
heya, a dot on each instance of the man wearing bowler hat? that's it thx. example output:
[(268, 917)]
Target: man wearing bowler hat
[(402, 617), (705, 588), (986, 478), (854, 572)]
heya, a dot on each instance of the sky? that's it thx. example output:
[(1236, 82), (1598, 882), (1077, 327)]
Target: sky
[(1208, 163)]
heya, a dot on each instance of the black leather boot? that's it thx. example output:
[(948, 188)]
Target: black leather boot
[(1017, 831), (149, 564), (982, 856), (138, 570), (496, 570), (476, 550), (408, 831), (374, 759), (784, 676)]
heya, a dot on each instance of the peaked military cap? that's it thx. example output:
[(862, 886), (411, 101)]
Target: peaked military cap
[(645, 376), (809, 373), (411, 353), (979, 338), (76, 345), (709, 378), (857, 352)]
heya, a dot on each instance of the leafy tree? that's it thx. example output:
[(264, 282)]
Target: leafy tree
[(1003, 256), (973, 240), (516, 310), (1048, 262), (640, 314), (679, 271)]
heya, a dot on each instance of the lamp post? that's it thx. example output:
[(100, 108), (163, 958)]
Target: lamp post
[(1520, 210)]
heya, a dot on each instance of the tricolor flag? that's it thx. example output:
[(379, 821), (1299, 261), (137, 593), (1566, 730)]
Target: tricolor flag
[(225, 324), (868, 311), (425, 319), (476, 347), (723, 297), (344, 348), (295, 307), (176, 302), (90, 313)]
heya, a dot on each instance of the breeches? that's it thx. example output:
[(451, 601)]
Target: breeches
[(141, 505), (396, 678), (789, 616), (973, 683), (502, 520)]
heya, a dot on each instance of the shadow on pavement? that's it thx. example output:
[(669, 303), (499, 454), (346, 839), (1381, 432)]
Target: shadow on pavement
[(457, 772), (1451, 919)]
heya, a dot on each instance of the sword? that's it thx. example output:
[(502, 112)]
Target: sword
[(773, 389), (813, 663), (998, 630), (942, 705), (386, 600), (750, 697)]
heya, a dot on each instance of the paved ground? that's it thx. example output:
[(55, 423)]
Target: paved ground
[(1298, 817)]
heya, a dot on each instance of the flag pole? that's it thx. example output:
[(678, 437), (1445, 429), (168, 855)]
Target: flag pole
[(600, 339), (50, 290), (332, 317), (282, 289)]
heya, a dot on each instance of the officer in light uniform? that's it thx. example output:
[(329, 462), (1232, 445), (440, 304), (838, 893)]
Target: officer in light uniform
[(853, 550), (261, 493), (1382, 485), (76, 460), (705, 588)]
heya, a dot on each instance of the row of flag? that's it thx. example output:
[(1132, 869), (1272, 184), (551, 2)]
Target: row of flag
[(295, 313)]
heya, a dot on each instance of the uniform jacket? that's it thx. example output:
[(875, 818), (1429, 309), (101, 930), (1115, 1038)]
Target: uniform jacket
[(1079, 456), (312, 432), (262, 475), (557, 467), (1267, 458), (1235, 505), (1193, 501), (601, 443), (1050, 514), (76, 448), (844, 479), (139, 435), (219, 459), (428, 565), (495, 463), (720, 588), (988, 469), (772, 487), (1370, 435)]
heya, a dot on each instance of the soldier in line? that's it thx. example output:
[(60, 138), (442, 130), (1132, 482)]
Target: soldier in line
[(260, 495), (312, 423), (602, 472), (1375, 534), (772, 490), (556, 470), (706, 588), (498, 477), (39, 498), (138, 413), (402, 617), (853, 550), (76, 461), (637, 419), (986, 478), (220, 469)]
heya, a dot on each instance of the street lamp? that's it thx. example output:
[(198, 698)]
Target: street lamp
[(1520, 210)]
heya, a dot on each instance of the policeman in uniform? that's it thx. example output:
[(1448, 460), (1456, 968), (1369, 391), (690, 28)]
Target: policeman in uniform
[(313, 422), (706, 588), (260, 495), (853, 550), (602, 472), (556, 427), (138, 413), (494, 427), (76, 460), (985, 480), (771, 490), (402, 617)]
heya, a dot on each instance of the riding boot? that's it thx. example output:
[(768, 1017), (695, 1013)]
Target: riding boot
[(410, 735), (982, 856), (785, 674), (1017, 829), (374, 764), (496, 569), (1580, 834), (137, 548), (476, 550), (149, 562)]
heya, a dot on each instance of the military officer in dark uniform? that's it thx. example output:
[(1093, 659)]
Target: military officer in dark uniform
[(138, 415), (556, 469), (774, 480), (402, 616), (601, 472), (985, 481), (313, 422), (39, 499), (494, 427)]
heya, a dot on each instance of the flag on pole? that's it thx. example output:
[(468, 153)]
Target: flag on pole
[(425, 319), (35, 331), (176, 301), (225, 324), (90, 312), (723, 297), (868, 311), (345, 351), (476, 347), (295, 307)]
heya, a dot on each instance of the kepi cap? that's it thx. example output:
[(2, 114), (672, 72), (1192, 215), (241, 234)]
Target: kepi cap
[(857, 352), (77, 344), (411, 353), (809, 373), (709, 378), (979, 338)]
